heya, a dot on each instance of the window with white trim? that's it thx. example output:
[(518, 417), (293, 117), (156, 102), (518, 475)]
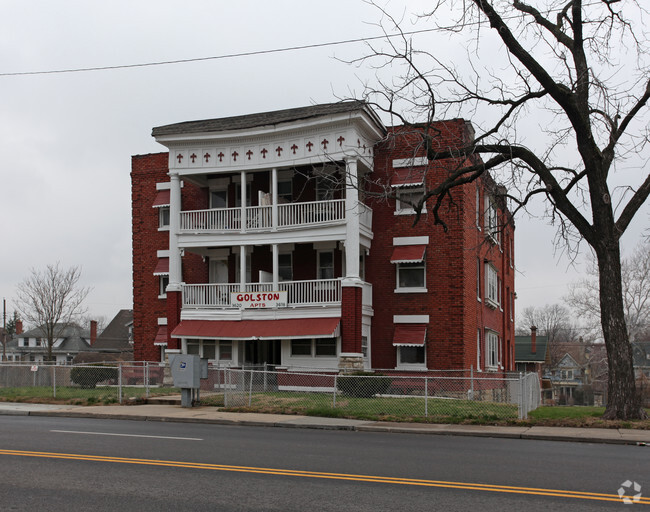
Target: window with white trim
[(219, 198), (163, 217), (163, 282), (364, 346), (491, 219), (410, 356), (406, 197), (492, 350), (411, 276), (491, 285), (325, 264), (285, 267), (225, 350), (317, 347)]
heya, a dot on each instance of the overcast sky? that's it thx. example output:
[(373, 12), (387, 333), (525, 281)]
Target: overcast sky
[(66, 139)]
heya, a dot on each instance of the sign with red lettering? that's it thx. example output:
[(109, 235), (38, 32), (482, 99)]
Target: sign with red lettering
[(259, 300)]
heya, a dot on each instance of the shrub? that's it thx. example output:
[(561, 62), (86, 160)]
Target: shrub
[(88, 376), (363, 384)]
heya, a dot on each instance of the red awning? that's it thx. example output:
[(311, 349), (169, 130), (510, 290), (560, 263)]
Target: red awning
[(162, 267), (162, 199), (406, 178), (409, 335), (408, 253), (258, 329), (161, 336)]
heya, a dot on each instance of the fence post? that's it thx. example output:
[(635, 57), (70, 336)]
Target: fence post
[(426, 397), (471, 381), (522, 413), (226, 386), (146, 379), (265, 369), (119, 383), (250, 390), (54, 381), (336, 376)]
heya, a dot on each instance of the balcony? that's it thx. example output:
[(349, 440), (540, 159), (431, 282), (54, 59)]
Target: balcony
[(322, 292), (260, 218)]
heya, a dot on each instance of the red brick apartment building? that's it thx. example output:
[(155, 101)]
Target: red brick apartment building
[(269, 238)]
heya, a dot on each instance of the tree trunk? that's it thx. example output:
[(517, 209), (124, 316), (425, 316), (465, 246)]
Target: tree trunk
[(623, 401)]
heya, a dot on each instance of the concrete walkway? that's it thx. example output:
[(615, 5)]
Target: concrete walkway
[(212, 415)]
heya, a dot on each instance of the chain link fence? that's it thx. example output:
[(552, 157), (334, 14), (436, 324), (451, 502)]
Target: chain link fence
[(446, 396), (95, 383), (435, 395)]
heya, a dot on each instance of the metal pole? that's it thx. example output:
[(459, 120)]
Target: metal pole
[(521, 397), (335, 388), (426, 397), (119, 383), (54, 381), (250, 390), (471, 380)]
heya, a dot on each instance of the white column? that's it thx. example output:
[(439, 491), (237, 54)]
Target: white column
[(276, 270), (242, 267), (274, 200), (243, 201), (352, 238), (175, 266)]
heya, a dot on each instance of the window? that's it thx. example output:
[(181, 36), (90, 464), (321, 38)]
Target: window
[(410, 355), (225, 350), (364, 346), (209, 349), (285, 190), (219, 198), (163, 282), (478, 279), (325, 187), (285, 267), (325, 347), (491, 350), (163, 217), (301, 347), (491, 285), (406, 198), (491, 219), (193, 347), (326, 265), (411, 276), (320, 347)]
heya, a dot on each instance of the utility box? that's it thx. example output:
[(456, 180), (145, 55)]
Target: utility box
[(186, 373)]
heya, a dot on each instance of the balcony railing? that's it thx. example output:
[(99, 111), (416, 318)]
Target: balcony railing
[(320, 292), (260, 218)]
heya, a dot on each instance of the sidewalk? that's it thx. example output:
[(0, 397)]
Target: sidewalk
[(212, 415)]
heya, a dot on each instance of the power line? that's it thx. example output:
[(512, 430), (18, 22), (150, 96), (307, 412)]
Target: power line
[(219, 57)]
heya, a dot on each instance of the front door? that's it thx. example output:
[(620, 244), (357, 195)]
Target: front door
[(261, 352)]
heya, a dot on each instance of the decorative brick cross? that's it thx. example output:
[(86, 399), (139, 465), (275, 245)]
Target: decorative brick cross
[(264, 152), (325, 142), (294, 149), (340, 140), (179, 157), (221, 155), (279, 151), (193, 157), (207, 157), (249, 154), (309, 146), (235, 155)]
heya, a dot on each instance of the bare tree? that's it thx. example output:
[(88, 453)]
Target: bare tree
[(554, 322), (575, 72), (50, 300), (583, 295)]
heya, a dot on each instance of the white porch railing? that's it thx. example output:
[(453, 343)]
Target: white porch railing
[(259, 218), (300, 293)]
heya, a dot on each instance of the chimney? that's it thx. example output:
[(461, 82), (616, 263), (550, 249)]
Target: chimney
[(19, 326), (93, 332), (533, 340)]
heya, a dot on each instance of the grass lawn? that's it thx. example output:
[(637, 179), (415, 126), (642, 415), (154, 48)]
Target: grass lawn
[(75, 395)]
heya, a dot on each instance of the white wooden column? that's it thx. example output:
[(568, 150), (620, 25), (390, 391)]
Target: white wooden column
[(274, 198), (242, 267), (352, 213), (175, 264), (276, 269), (242, 195)]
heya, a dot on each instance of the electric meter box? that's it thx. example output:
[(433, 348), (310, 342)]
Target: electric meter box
[(186, 370)]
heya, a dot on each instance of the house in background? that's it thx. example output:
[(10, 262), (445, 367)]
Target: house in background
[(114, 343), (532, 354), (268, 239), (31, 345)]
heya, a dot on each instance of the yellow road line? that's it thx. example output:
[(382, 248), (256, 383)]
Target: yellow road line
[(332, 476)]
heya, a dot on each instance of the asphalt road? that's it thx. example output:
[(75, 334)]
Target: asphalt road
[(91, 464)]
